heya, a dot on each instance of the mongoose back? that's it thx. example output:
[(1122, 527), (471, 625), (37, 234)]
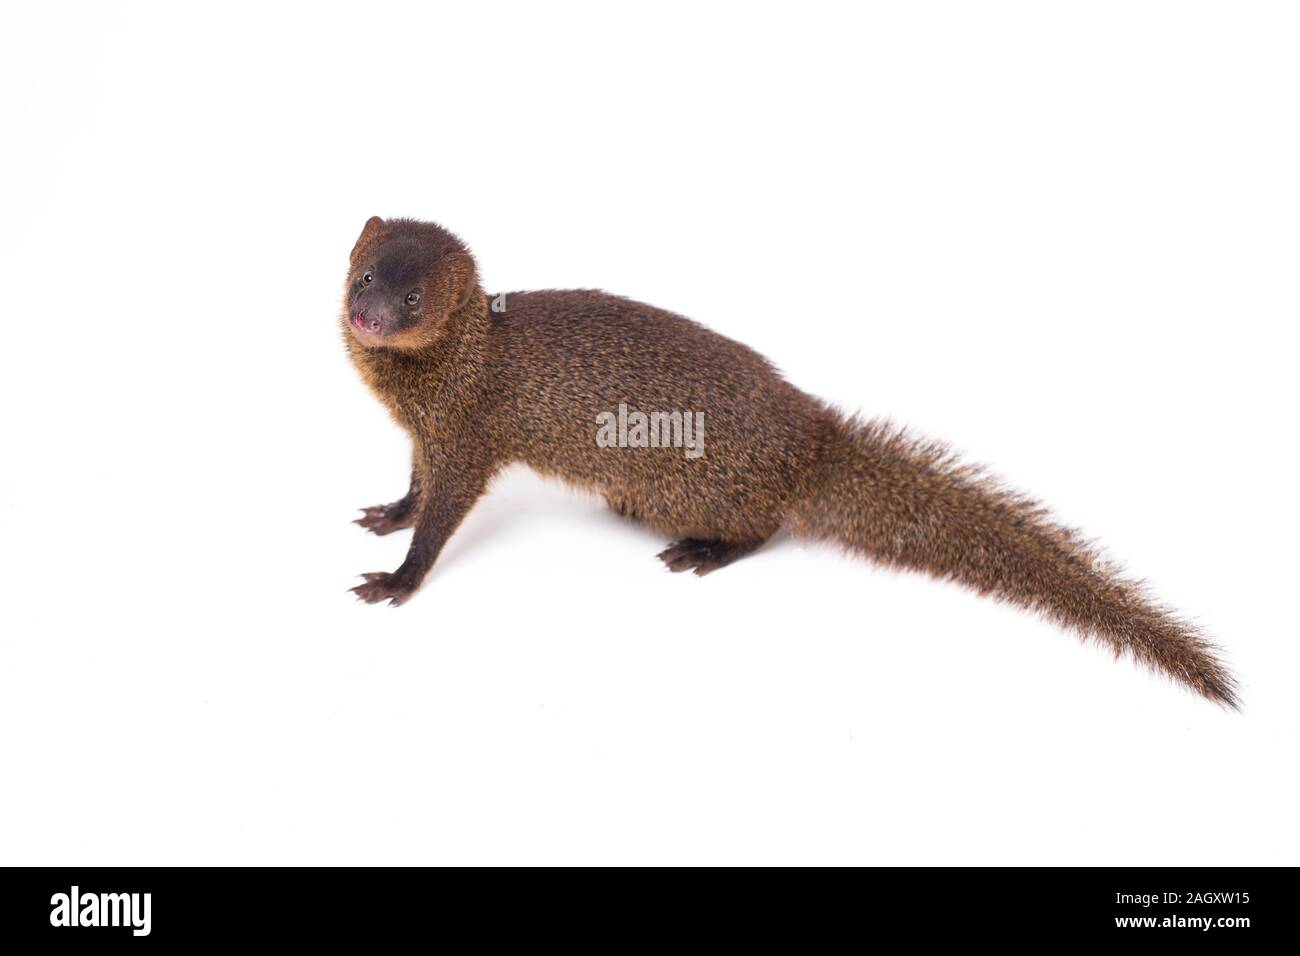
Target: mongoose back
[(477, 389)]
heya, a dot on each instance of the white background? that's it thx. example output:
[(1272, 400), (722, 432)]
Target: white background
[(1063, 237)]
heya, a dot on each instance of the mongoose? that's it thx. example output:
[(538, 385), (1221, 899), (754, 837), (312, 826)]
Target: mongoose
[(477, 387)]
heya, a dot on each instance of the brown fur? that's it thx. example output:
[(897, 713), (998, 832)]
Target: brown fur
[(477, 390)]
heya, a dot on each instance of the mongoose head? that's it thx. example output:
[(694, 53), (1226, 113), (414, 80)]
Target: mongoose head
[(404, 281)]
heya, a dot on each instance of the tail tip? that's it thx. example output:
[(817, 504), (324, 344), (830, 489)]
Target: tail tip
[(1221, 687)]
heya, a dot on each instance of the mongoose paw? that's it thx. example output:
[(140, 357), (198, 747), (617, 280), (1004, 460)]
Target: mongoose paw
[(383, 585), (700, 556), (385, 519)]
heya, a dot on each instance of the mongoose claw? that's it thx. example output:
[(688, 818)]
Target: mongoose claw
[(382, 585), (695, 554), (385, 519)]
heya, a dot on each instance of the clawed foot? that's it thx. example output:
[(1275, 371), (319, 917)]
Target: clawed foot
[(385, 519), (383, 585), (694, 554)]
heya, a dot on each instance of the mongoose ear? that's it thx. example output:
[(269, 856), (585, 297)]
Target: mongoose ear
[(464, 278), (371, 229)]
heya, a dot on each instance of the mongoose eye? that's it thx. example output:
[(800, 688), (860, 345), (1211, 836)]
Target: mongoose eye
[(413, 298), (368, 277)]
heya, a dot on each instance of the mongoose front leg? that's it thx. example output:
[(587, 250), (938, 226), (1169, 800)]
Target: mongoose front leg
[(437, 515), (700, 556), (385, 519)]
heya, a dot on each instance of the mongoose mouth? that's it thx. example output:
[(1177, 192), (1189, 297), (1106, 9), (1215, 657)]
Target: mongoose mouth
[(363, 324)]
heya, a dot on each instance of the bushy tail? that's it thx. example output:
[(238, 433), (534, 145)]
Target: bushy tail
[(911, 504)]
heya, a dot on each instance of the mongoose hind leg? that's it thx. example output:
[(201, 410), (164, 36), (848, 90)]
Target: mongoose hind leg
[(701, 556)]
